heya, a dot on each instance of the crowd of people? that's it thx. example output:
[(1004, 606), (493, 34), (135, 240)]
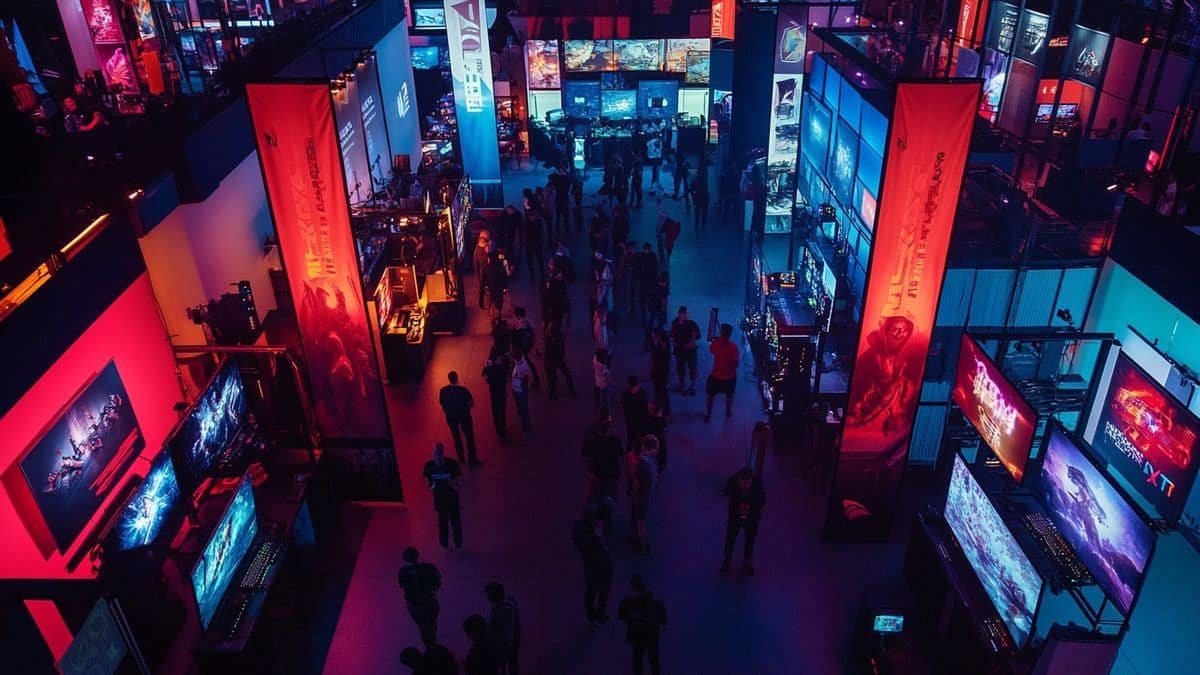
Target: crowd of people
[(624, 445)]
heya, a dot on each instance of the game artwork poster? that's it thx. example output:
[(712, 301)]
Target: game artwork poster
[(926, 157), (297, 146), (1108, 535), (997, 411), (1148, 437), (541, 63), (82, 457), (474, 98)]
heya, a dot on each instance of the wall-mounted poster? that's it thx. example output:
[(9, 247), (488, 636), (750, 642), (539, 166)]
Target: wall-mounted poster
[(104, 22), (677, 50), (1031, 44), (1003, 28), (541, 62), (1085, 58)]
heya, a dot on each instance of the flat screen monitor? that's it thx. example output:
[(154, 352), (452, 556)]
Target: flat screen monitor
[(541, 62), (1010, 580), (151, 506), (211, 426), (425, 58), (698, 67), (638, 54), (619, 104), (223, 553), (658, 99), (581, 98), (843, 162), (588, 56), (1066, 110), (1110, 537), (1044, 112), (888, 623), (429, 18), (82, 456), (994, 407), (98, 648), (1147, 438)]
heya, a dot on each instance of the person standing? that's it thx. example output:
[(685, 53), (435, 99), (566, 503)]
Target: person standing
[(634, 407), (644, 617), (597, 565), (723, 378), (746, 501), (681, 176), (437, 660), (684, 334), (660, 369), (519, 382), (601, 379), (555, 360), (602, 452), (442, 476), (562, 198), (420, 582), (555, 301), (456, 402), (602, 278), (645, 276), (671, 229), (700, 198), (642, 478), (656, 426), (600, 334), (534, 240), (635, 184), (482, 258), (660, 228), (503, 627), (496, 373), (525, 339), (496, 279), (480, 660)]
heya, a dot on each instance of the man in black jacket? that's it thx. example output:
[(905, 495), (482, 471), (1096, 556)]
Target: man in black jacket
[(746, 501), (456, 402), (442, 475), (602, 451), (597, 565), (495, 372), (421, 582), (555, 359), (644, 616)]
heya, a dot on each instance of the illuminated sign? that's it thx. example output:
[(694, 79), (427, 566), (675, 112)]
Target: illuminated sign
[(393, 59), (298, 151), (471, 67), (724, 15), (996, 410), (927, 154)]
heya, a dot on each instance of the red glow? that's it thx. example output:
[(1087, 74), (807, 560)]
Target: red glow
[(968, 18), (50, 623), (723, 18), (994, 407)]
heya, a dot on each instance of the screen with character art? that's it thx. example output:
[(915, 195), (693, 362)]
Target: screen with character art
[(994, 407)]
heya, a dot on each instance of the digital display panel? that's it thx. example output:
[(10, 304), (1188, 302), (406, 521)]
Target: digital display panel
[(843, 162), (1032, 41), (698, 67), (82, 456), (638, 54), (429, 17), (888, 623), (817, 130), (425, 58), (620, 104), (211, 426), (1148, 438), (224, 551), (98, 647), (541, 60), (588, 56), (994, 407), (1109, 536), (677, 49), (581, 99), (1085, 60), (152, 504), (1010, 580), (658, 99)]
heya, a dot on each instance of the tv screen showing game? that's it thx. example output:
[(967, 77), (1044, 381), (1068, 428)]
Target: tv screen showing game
[(698, 66), (429, 18), (588, 56), (677, 49), (541, 59), (1107, 533), (1044, 112), (638, 54), (98, 647), (994, 407), (224, 551), (816, 120), (581, 98), (1148, 438), (888, 623), (425, 58), (843, 162), (149, 508), (215, 419), (82, 456), (658, 99), (620, 104), (1010, 580)]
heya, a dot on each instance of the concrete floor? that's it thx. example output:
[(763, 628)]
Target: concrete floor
[(794, 616)]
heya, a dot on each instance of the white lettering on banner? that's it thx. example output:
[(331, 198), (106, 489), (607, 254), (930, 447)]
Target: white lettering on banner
[(997, 416), (470, 47)]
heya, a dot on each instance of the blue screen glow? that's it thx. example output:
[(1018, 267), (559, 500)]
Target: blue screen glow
[(581, 99), (224, 552), (147, 510), (212, 424)]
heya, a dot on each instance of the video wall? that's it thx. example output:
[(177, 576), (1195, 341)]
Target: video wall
[(541, 64), (619, 104), (994, 407)]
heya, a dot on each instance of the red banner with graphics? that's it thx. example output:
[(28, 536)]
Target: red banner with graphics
[(302, 169), (926, 158), (724, 14)]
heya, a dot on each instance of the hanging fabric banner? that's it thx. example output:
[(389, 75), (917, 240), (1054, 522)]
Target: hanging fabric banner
[(474, 98), (926, 158)]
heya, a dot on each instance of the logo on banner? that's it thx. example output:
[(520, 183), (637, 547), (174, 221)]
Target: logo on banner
[(403, 102), (997, 416), (470, 46)]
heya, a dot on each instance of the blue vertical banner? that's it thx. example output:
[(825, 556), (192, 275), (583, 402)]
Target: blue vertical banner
[(474, 99), (399, 95), (375, 138)]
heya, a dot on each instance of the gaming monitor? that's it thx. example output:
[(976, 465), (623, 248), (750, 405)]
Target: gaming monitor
[(1044, 112), (211, 426), (843, 162), (425, 58), (698, 67), (1148, 438), (657, 99), (429, 18), (149, 508), (581, 98), (1067, 110), (888, 623), (541, 63), (223, 553), (678, 48), (1010, 580), (98, 647), (994, 407), (1110, 537), (82, 456), (619, 104)]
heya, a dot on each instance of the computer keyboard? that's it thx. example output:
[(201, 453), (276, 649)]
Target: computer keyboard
[(237, 614), (995, 633), (1070, 567), (264, 558)]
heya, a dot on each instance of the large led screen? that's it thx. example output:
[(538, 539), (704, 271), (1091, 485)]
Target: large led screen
[(426, 58), (638, 54), (1010, 580), (588, 56), (619, 104), (224, 551), (994, 407), (843, 162), (658, 99), (581, 99), (82, 456), (1109, 536), (817, 130), (215, 419), (152, 504), (541, 62), (1148, 438), (677, 50)]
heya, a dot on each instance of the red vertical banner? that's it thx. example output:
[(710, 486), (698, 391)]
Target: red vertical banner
[(724, 14), (306, 189), (926, 157)]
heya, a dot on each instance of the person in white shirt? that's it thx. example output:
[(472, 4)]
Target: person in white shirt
[(600, 327), (519, 381), (602, 275), (602, 379)]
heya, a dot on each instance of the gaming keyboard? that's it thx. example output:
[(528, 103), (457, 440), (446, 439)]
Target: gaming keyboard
[(260, 565), (236, 615), (1069, 566), (996, 634)]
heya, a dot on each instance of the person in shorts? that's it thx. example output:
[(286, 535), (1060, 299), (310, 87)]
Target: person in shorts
[(723, 377)]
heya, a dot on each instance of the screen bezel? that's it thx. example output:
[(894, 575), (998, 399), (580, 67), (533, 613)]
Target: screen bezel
[(1053, 427), (245, 480), (1020, 399)]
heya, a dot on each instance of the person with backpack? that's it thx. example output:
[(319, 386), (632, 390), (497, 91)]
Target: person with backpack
[(420, 582), (644, 616)]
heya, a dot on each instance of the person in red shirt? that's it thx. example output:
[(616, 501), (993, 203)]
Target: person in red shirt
[(724, 371)]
